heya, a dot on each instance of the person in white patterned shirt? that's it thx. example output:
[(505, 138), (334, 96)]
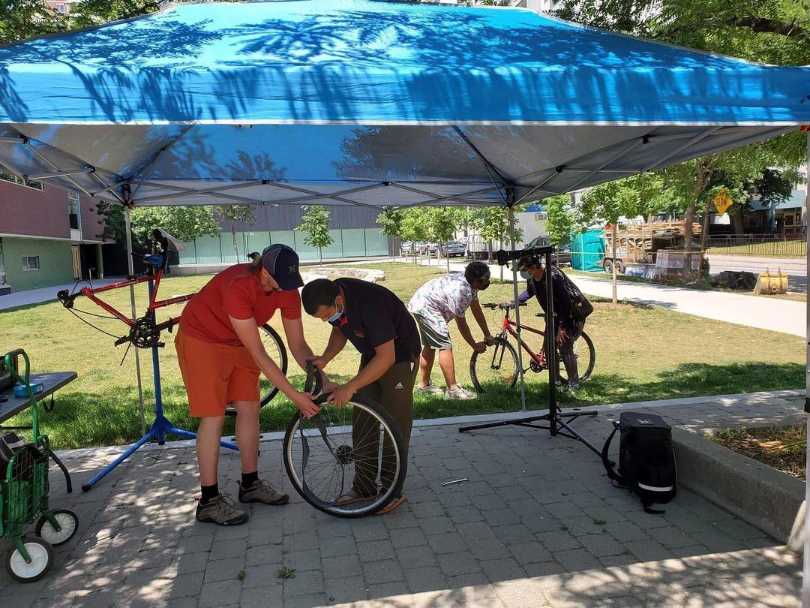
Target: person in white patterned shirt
[(434, 305)]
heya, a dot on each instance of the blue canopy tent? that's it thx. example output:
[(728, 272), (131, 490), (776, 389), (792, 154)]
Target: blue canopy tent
[(369, 103), (361, 102)]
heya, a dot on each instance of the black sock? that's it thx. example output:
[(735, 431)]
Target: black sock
[(248, 479), (209, 492)]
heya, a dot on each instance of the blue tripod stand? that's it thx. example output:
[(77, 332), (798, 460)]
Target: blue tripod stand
[(161, 426)]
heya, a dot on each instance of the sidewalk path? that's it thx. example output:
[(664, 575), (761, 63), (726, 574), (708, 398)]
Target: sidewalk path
[(46, 294), (764, 313), (536, 525)]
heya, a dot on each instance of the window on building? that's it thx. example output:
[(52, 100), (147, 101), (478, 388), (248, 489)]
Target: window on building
[(74, 210), (28, 183), (30, 262)]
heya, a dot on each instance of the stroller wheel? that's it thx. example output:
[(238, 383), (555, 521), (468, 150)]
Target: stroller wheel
[(36, 567), (68, 524)]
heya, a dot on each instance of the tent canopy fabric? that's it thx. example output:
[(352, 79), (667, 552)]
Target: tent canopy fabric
[(370, 103)]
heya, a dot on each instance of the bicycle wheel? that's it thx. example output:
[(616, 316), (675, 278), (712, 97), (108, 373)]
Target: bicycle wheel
[(497, 366), (278, 353), (353, 448), (585, 354)]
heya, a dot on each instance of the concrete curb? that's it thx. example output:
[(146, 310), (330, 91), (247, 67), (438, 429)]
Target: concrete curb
[(758, 494)]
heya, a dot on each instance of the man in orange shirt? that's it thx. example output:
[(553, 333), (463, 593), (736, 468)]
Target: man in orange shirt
[(221, 355)]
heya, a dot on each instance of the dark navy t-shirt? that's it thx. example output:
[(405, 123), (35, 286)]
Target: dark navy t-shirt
[(374, 316)]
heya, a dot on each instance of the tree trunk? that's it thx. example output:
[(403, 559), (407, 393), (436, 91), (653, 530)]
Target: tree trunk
[(701, 177), (613, 238), (320, 255), (447, 255), (235, 246), (704, 234)]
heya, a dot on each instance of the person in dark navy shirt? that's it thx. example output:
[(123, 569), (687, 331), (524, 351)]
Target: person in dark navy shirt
[(379, 326)]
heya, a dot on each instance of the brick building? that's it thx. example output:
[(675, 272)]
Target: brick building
[(48, 235)]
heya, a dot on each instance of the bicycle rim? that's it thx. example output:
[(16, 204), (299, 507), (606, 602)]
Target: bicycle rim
[(497, 367), (353, 448), (278, 353)]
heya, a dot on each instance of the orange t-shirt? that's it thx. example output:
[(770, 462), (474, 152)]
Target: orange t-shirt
[(234, 292)]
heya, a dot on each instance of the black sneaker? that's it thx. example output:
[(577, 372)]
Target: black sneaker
[(222, 511), (261, 491)]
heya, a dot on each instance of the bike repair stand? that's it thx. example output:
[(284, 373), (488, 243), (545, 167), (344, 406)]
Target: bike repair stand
[(161, 426), (558, 423)]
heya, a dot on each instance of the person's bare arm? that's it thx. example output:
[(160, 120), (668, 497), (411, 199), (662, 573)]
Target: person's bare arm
[(465, 332), (248, 333), (478, 314), (384, 358), (294, 331), (336, 343)]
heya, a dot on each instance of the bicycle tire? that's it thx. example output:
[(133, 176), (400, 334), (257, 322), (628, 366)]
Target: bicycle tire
[(270, 336), (301, 431), (503, 350), (589, 350)]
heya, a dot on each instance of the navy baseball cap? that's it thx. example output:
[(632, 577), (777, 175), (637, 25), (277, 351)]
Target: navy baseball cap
[(282, 264)]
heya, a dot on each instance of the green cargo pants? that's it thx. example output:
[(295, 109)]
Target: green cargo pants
[(394, 393)]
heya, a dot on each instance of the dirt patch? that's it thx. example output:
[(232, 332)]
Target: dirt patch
[(783, 448)]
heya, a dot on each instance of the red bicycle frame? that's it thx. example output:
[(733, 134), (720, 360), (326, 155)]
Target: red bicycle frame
[(154, 303), (508, 326)]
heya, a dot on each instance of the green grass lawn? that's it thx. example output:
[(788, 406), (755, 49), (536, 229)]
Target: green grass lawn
[(642, 353)]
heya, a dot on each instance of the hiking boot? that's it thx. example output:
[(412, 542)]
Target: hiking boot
[(460, 393), (261, 491), (430, 389), (222, 511)]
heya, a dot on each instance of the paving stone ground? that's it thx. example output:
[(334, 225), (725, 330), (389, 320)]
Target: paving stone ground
[(537, 524)]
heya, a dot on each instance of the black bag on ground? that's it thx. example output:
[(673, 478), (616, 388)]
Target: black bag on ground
[(646, 458)]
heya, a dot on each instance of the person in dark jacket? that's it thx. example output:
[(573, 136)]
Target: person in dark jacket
[(568, 324)]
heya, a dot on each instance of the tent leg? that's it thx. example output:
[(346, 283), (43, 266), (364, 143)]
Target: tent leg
[(511, 220), (131, 270), (806, 569)]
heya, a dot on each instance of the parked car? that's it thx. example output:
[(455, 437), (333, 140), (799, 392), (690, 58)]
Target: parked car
[(454, 248), (407, 248), (430, 247), (562, 254)]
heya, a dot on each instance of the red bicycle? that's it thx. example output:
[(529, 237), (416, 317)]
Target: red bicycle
[(144, 331), (498, 365)]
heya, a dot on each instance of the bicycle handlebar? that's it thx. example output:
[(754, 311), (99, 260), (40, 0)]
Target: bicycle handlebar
[(502, 305)]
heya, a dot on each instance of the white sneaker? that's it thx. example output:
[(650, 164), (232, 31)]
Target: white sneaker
[(430, 389), (460, 393)]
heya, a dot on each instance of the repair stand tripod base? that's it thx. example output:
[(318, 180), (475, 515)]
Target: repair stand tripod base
[(558, 424), (160, 428)]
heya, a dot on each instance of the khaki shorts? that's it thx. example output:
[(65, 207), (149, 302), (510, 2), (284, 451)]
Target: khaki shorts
[(215, 375)]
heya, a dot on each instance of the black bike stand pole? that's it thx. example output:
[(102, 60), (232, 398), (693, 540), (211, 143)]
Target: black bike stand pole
[(557, 424)]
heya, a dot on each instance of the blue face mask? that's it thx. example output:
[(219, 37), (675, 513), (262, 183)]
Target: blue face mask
[(335, 317)]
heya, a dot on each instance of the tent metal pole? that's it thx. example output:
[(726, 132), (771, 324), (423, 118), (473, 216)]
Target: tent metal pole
[(806, 568), (131, 269), (511, 220)]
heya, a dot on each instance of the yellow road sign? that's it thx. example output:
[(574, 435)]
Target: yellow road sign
[(722, 201)]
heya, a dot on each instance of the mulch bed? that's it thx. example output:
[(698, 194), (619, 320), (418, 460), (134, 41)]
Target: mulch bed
[(783, 448)]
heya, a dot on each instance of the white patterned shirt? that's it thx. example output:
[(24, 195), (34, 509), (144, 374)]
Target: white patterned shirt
[(442, 299)]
